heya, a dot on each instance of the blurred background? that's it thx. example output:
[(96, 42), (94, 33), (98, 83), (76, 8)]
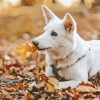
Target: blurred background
[(22, 20)]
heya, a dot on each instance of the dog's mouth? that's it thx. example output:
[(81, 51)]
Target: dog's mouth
[(42, 49)]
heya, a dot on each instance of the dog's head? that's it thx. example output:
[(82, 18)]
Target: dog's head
[(58, 34)]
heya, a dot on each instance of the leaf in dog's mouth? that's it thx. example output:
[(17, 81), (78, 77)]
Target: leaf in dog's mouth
[(24, 50)]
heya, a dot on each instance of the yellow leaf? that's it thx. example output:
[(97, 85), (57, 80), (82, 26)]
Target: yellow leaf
[(49, 88), (25, 50), (86, 89), (53, 81)]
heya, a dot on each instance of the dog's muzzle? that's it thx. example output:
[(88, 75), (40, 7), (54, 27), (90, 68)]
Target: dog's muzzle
[(35, 43)]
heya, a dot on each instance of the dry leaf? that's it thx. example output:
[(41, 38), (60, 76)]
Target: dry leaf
[(70, 91), (25, 50), (85, 89), (11, 89), (87, 84), (43, 77), (29, 96), (49, 88), (22, 85), (8, 76), (53, 81)]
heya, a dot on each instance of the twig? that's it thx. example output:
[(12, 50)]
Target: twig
[(8, 80)]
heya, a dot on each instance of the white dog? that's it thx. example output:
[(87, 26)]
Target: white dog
[(68, 56)]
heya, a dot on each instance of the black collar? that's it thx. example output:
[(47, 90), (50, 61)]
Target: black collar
[(55, 70)]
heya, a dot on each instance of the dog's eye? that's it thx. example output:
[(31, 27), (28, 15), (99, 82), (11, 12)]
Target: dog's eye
[(53, 34)]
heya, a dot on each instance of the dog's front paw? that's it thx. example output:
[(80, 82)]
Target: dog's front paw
[(60, 86), (92, 72), (48, 71), (66, 84)]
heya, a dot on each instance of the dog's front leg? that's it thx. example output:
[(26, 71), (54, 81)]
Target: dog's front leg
[(66, 84), (49, 61), (48, 71)]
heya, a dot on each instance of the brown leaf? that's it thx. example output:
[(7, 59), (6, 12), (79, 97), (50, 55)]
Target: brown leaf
[(85, 89), (8, 76), (87, 84), (49, 88), (29, 96), (43, 77), (89, 96), (22, 85), (70, 91), (11, 89)]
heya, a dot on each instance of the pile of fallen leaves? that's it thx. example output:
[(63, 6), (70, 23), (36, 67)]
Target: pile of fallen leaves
[(27, 81)]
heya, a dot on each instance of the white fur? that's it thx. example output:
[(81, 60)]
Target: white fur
[(69, 47)]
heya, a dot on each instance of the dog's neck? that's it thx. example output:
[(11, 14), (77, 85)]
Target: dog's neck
[(79, 50)]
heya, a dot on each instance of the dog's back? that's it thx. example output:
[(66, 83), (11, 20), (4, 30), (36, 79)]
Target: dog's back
[(95, 56), (95, 43)]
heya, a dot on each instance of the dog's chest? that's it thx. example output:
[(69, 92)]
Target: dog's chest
[(63, 69), (65, 73), (68, 68), (63, 63)]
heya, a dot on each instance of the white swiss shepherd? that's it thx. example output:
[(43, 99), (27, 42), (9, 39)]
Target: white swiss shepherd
[(68, 56)]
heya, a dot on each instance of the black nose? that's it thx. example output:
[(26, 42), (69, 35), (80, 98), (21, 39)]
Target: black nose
[(35, 43)]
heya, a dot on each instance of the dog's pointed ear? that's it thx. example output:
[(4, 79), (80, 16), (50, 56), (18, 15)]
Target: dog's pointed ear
[(48, 14), (69, 23)]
